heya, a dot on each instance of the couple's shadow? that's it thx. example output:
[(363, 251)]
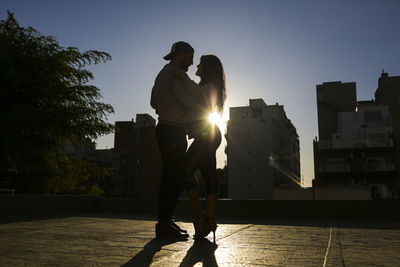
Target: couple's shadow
[(201, 251)]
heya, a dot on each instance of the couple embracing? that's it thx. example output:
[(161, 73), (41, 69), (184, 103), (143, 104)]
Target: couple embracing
[(183, 108)]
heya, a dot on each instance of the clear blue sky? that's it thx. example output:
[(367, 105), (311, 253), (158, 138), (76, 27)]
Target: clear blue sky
[(275, 50)]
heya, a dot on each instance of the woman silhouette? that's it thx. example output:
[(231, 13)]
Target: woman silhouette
[(207, 138)]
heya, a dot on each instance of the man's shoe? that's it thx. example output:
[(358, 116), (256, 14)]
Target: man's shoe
[(166, 230), (172, 222)]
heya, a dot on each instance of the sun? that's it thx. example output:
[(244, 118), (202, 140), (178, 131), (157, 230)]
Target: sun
[(214, 118)]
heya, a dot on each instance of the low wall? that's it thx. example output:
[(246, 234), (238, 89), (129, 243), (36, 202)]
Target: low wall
[(38, 205), (29, 205), (322, 193)]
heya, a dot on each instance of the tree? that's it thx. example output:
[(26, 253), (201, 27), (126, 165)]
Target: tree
[(45, 100)]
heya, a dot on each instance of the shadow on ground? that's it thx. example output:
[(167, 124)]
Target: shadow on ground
[(145, 257), (201, 251)]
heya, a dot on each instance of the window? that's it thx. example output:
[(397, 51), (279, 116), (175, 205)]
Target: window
[(375, 160), (376, 136), (334, 161), (256, 113), (373, 116)]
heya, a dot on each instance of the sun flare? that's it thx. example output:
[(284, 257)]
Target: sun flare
[(214, 118)]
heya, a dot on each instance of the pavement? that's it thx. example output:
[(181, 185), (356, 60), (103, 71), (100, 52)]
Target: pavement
[(128, 240)]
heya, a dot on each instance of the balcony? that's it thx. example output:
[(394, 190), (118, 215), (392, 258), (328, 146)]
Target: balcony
[(379, 167), (324, 144), (334, 168), (387, 142), (354, 143)]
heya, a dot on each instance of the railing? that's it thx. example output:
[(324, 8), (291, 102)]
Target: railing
[(382, 167), (324, 144), (334, 168), (349, 143), (354, 143), (379, 142)]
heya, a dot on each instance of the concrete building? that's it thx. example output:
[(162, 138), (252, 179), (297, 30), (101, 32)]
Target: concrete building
[(135, 159), (388, 93), (124, 144), (262, 151), (140, 160), (332, 98), (355, 146), (149, 167)]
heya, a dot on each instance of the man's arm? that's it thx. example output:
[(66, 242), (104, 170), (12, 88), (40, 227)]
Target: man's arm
[(155, 92), (188, 93), (153, 102)]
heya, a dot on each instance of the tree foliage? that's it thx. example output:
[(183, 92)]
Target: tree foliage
[(45, 100)]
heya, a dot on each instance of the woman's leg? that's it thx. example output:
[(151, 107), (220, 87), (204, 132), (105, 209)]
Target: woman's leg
[(192, 161), (208, 168), (192, 189), (202, 155), (208, 163)]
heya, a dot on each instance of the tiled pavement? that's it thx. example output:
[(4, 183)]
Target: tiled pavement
[(112, 240)]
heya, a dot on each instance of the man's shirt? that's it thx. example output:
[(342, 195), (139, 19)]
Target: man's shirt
[(176, 101)]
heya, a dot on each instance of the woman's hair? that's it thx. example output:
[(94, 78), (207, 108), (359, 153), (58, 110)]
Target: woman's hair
[(213, 72)]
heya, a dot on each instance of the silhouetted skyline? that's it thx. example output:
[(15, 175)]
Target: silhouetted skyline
[(278, 51)]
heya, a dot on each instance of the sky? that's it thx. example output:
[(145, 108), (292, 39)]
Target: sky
[(275, 50)]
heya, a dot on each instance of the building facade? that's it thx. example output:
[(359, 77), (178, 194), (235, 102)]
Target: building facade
[(135, 159), (355, 146), (140, 159), (262, 151), (388, 93)]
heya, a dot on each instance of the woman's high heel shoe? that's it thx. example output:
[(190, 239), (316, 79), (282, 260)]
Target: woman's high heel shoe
[(214, 233), (198, 224), (212, 226), (198, 216), (209, 224)]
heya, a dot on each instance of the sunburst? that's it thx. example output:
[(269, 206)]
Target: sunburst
[(215, 118)]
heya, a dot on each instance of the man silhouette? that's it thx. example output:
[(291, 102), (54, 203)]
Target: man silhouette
[(172, 103)]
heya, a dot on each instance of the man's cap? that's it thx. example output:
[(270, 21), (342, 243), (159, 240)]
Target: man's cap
[(179, 47)]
